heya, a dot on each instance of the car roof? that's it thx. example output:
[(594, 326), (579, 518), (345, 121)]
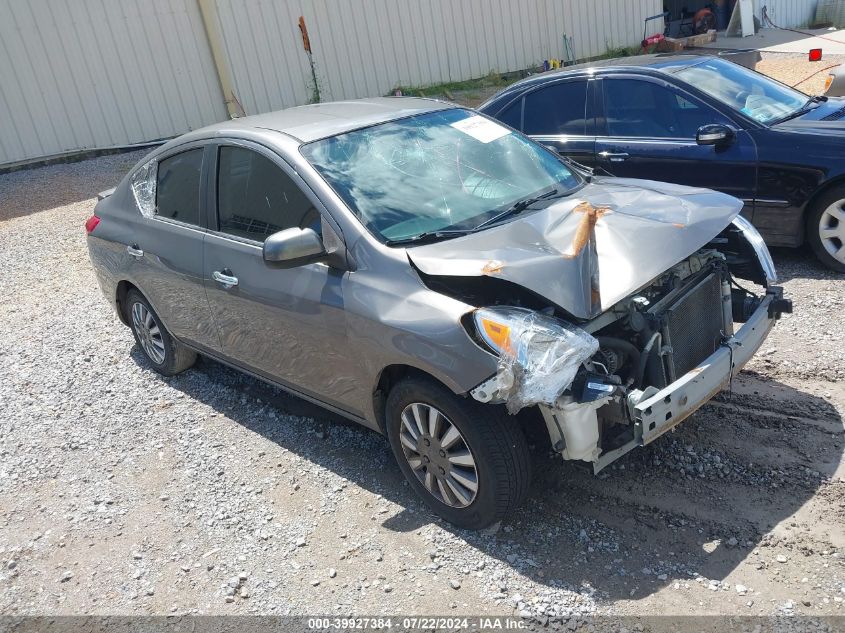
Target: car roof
[(319, 120), (660, 62)]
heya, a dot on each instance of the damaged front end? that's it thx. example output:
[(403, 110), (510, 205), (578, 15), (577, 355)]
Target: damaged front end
[(623, 378)]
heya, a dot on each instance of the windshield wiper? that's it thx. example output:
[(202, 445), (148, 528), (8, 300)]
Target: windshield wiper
[(517, 207), (428, 236), (586, 172), (812, 104)]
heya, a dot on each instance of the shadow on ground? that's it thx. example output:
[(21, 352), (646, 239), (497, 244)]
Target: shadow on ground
[(697, 500)]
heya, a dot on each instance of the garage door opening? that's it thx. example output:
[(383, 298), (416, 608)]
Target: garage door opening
[(691, 17)]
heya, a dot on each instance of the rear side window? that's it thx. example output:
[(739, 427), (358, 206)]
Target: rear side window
[(178, 187), (256, 198), (557, 109), (512, 115)]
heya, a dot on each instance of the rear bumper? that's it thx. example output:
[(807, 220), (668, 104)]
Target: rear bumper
[(665, 409)]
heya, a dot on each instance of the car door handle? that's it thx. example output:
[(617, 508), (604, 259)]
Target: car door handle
[(227, 280), (134, 250), (614, 157)]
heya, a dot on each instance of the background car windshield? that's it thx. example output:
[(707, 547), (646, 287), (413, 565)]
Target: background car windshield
[(444, 170), (751, 93)]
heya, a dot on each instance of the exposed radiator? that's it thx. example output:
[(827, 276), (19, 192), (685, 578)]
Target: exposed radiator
[(695, 324)]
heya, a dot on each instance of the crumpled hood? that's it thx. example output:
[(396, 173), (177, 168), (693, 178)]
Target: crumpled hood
[(590, 250)]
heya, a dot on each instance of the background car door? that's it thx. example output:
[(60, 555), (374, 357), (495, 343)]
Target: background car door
[(647, 129), (556, 115), (284, 324), (166, 249)]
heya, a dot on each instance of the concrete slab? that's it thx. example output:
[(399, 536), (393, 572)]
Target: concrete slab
[(778, 41)]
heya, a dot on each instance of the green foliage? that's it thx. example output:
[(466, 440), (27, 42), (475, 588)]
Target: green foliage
[(492, 80)]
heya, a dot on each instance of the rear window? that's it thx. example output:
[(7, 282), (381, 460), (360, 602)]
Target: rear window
[(556, 109), (178, 187)]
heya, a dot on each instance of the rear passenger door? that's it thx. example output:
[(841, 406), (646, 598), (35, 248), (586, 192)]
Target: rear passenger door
[(559, 116), (164, 252), (647, 129), (287, 325)]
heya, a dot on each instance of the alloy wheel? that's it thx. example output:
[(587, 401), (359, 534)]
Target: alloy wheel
[(149, 334), (438, 455), (832, 230)]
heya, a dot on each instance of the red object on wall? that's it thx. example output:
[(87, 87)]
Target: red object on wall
[(306, 43), (815, 54)]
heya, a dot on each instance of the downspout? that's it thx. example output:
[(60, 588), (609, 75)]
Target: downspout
[(208, 9)]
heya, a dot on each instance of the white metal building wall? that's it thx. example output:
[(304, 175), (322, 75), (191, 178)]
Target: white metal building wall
[(367, 47), (81, 74), (78, 74), (788, 13)]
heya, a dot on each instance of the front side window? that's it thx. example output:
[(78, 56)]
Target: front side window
[(744, 90), (638, 108), (556, 109), (256, 198), (178, 187), (448, 170)]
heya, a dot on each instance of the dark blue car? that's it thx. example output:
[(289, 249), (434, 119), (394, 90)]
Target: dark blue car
[(700, 121)]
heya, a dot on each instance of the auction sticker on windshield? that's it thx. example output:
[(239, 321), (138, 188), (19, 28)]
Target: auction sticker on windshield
[(481, 129)]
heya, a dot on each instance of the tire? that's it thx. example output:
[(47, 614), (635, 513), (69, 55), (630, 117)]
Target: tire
[(826, 229), (493, 440), (167, 356)]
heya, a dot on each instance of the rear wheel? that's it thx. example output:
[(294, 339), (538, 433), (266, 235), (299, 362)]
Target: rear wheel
[(166, 355), (469, 462), (826, 229)]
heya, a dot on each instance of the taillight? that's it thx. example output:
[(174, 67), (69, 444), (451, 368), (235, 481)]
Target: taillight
[(91, 223)]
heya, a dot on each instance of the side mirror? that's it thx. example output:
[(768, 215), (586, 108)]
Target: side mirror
[(293, 247), (715, 134)]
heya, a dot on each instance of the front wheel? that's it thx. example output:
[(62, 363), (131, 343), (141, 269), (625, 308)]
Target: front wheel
[(469, 462), (826, 229)]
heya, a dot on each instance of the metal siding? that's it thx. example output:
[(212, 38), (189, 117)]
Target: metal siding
[(78, 74), (81, 74), (788, 13)]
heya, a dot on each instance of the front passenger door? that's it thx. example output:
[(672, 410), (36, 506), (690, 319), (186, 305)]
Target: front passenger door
[(647, 129), (287, 325)]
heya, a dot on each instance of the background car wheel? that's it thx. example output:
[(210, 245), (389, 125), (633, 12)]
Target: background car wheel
[(826, 229), (167, 356), (469, 462)]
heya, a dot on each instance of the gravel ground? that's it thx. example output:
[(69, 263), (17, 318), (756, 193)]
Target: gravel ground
[(796, 70), (122, 492)]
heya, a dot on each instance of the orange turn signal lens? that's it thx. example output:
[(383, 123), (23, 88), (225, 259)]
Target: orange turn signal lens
[(497, 334), (828, 82)]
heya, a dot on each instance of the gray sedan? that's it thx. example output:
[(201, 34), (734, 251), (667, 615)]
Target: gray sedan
[(439, 278)]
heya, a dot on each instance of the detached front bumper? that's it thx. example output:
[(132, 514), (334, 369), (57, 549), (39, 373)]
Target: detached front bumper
[(665, 409)]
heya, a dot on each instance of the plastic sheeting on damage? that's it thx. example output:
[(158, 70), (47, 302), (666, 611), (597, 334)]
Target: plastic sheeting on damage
[(143, 184), (541, 361)]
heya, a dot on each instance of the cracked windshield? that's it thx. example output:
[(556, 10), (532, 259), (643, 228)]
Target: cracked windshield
[(438, 175)]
